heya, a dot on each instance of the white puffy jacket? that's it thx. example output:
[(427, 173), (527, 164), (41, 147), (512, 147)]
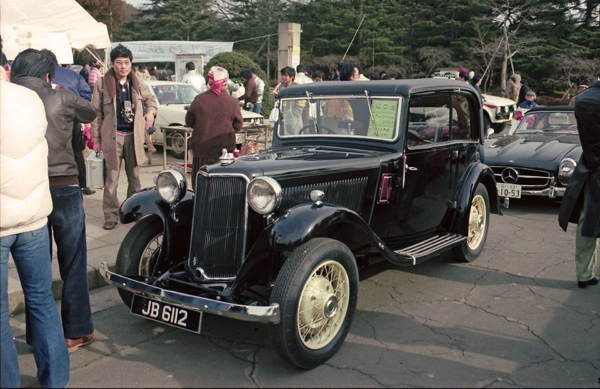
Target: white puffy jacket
[(25, 200)]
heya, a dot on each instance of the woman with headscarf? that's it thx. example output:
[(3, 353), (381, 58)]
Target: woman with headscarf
[(215, 116)]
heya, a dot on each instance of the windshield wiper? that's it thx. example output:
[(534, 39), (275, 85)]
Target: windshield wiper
[(371, 113)]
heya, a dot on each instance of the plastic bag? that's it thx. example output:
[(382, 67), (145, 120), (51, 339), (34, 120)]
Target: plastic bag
[(249, 147)]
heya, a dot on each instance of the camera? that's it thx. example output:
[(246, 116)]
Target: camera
[(127, 112)]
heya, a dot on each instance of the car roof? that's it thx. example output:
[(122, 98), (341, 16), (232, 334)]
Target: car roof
[(162, 82), (374, 88), (552, 108)]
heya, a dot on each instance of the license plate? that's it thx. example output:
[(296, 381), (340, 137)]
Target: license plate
[(161, 312), (509, 190)]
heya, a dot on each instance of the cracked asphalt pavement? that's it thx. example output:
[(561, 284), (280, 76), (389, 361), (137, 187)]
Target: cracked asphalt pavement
[(512, 318)]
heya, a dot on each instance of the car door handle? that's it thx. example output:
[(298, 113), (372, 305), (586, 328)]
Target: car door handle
[(412, 169)]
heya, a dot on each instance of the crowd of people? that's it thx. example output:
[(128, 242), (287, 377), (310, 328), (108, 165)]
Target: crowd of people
[(54, 102)]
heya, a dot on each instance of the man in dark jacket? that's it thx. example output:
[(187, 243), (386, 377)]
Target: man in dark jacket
[(581, 202), (85, 71), (66, 78), (34, 70), (523, 92)]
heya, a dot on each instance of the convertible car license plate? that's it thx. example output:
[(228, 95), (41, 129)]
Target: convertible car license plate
[(161, 312), (509, 190)]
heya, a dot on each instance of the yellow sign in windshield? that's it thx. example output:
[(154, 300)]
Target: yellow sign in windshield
[(384, 119)]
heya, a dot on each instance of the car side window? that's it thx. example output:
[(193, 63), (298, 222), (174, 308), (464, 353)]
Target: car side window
[(429, 119)]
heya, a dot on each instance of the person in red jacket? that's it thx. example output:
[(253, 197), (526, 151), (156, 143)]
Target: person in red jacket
[(250, 96), (215, 116)]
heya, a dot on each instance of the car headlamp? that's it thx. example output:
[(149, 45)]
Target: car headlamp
[(565, 170), (264, 195), (171, 186)]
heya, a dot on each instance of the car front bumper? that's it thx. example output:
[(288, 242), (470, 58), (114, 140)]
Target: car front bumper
[(550, 192), (265, 314)]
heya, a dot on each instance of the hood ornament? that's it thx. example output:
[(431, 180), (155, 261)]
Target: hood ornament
[(226, 158)]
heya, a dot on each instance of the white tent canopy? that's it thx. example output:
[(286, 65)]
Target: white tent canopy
[(167, 51), (52, 24)]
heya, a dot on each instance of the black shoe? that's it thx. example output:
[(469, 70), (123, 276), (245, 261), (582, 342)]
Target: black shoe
[(87, 191), (584, 284)]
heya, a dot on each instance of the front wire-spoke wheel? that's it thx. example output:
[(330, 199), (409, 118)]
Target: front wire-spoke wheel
[(477, 227), (317, 292), (323, 305), (138, 251)]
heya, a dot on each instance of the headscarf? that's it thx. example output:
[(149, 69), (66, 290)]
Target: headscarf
[(218, 77)]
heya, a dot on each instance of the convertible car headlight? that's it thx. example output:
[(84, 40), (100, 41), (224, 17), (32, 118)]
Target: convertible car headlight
[(264, 195), (171, 186), (565, 170)]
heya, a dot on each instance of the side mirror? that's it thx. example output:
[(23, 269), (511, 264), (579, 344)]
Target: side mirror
[(490, 131)]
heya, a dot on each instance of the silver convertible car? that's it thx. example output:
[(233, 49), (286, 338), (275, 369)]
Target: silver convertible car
[(538, 156)]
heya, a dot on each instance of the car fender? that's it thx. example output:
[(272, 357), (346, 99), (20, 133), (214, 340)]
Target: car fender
[(177, 221), (297, 226), (476, 173), (304, 222)]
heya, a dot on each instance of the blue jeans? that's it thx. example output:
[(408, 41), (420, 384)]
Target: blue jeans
[(67, 224), (257, 108), (31, 253)]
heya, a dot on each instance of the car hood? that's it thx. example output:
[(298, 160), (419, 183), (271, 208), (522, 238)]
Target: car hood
[(496, 100), (287, 162), (171, 114), (537, 147)]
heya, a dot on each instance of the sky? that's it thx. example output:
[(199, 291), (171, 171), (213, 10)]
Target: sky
[(136, 3)]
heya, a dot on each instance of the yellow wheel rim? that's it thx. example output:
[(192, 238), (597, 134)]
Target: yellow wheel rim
[(477, 222), (151, 247), (323, 305)]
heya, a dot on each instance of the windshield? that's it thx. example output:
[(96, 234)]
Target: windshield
[(175, 93), (340, 116), (559, 122)]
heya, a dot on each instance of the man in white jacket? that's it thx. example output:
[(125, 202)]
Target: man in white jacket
[(25, 204)]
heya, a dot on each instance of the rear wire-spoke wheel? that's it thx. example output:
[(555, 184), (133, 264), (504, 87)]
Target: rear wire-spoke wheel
[(477, 228), (138, 251), (178, 141), (317, 290)]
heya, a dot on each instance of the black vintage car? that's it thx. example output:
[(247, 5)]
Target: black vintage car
[(357, 168), (539, 154)]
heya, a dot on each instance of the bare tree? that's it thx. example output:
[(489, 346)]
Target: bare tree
[(572, 70), (511, 15), (434, 57)]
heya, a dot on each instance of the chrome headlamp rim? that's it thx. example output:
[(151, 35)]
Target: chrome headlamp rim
[(560, 167), (276, 198), (180, 185)]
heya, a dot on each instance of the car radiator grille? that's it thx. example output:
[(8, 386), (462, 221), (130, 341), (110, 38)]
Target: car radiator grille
[(531, 179), (219, 226), (346, 193)]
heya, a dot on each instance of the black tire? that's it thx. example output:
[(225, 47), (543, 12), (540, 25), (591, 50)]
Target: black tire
[(499, 127), (177, 140), (478, 224), (307, 339), (136, 253)]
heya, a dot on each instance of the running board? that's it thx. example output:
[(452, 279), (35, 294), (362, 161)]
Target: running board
[(421, 251)]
